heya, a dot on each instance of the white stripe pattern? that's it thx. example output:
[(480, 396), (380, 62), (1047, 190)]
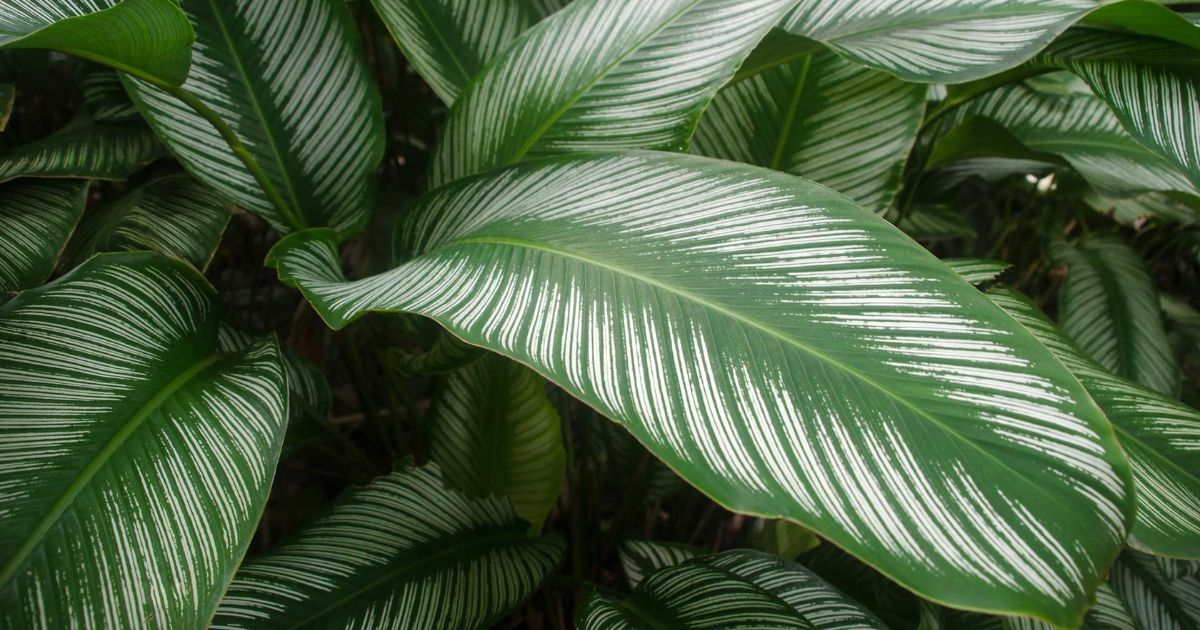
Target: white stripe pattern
[(290, 79), (134, 460), (36, 219), (403, 552), (640, 558), (937, 41), (977, 271), (601, 74), (789, 352), (821, 118), (1155, 601), (94, 151), (1108, 613)]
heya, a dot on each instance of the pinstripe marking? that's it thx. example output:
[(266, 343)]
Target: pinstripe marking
[(36, 219)]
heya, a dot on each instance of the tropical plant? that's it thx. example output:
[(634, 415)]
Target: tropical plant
[(604, 313)]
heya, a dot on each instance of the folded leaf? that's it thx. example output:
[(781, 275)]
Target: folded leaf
[(403, 552), (1109, 306), (601, 74), (739, 588), (1160, 435), (937, 41), (36, 219), (788, 352), (174, 215), (450, 41), (146, 37), (86, 150), (821, 118), (493, 431), (135, 459), (640, 558), (289, 78)]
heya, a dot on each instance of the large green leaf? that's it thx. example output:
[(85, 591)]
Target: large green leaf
[(450, 41), (403, 552), (147, 37), (1151, 85), (1153, 599), (1160, 435), (289, 79), (83, 149), (1079, 128), (1109, 306), (822, 118), (787, 351), (173, 214), (939, 41), (601, 74), (36, 219), (135, 459), (493, 431), (735, 589)]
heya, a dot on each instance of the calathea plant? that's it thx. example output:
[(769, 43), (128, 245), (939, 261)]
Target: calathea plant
[(603, 313)]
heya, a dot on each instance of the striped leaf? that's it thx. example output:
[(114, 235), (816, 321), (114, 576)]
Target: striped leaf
[(1108, 613), (1079, 128), (601, 74), (290, 80), (135, 459), (935, 223), (977, 271), (8, 95), (148, 37), (788, 352), (403, 552), (36, 219), (493, 431), (450, 41), (1151, 85), (640, 558), (1137, 210), (86, 150), (642, 477), (106, 99), (740, 588), (1109, 306), (1152, 599), (936, 41), (822, 118), (1160, 435), (173, 214)]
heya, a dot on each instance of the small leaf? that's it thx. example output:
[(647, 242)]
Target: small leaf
[(1109, 306), (448, 42), (84, 150), (977, 271), (790, 353), (173, 214), (640, 558), (405, 550), (135, 458), (821, 118), (106, 99), (147, 37), (493, 431), (739, 588), (36, 219), (290, 79), (641, 85)]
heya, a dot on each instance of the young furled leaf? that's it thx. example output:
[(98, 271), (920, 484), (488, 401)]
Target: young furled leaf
[(788, 352), (135, 458), (36, 219)]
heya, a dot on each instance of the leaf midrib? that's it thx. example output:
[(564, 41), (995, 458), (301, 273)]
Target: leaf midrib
[(789, 118), (757, 325), (89, 471)]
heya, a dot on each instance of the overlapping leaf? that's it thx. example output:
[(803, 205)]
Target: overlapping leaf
[(821, 118), (640, 558), (1160, 435), (1149, 206), (1109, 306), (86, 150), (135, 459), (289, 79), (788, 352), (147, 37), (36, 219), (450, 41), (494, 432), (403, 552), (977, 271), (740, 588), (173, 214), (105, 97), (601, 74), (1153, 599)]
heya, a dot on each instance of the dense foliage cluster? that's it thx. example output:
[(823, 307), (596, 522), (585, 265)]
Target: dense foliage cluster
[(599, 313)]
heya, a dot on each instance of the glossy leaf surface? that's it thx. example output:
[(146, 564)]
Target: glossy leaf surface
[(863, 367)]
